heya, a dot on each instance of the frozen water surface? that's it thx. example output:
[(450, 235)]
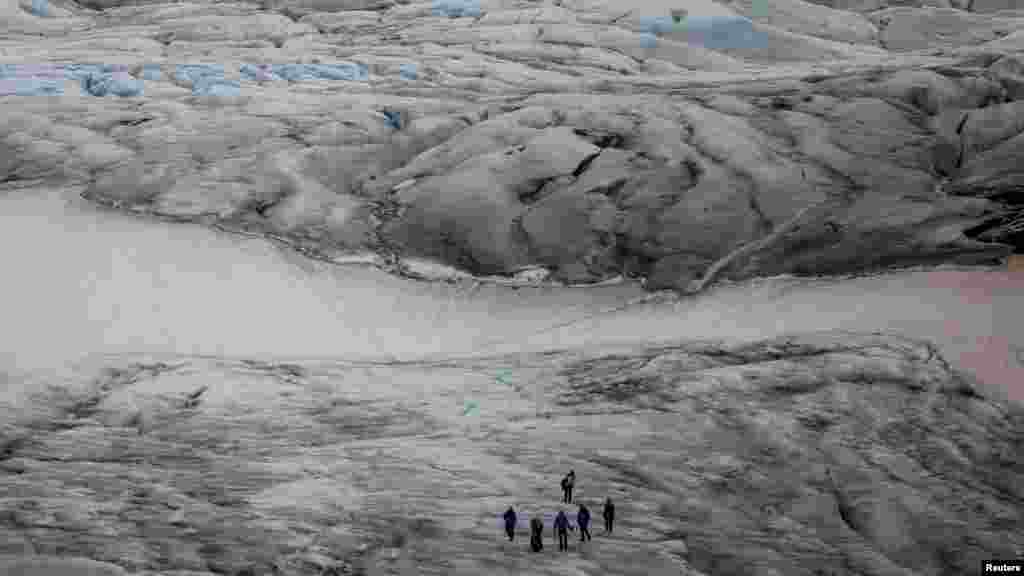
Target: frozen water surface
[(92, 282)]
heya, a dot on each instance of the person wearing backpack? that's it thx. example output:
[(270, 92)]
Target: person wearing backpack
[(583, 520), (567, 485)]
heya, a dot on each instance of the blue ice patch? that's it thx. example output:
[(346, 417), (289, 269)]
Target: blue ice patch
[(723, 33), (151, 72), (351, 71), (40, 8), (207, 80), (340, 71), (393, 119), (408, 72), (104, 79), (116, 84), (55, 71), (291, 72), (658, 25), (648, 40), (194, 73), (81, 73), (31, 86), (257, 73), (457, 8)]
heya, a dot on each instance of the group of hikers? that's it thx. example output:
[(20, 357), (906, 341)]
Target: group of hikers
[(561, 525)]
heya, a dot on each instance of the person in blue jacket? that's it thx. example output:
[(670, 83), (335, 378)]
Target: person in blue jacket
[(562, 530), (510, 523), (583, 520)]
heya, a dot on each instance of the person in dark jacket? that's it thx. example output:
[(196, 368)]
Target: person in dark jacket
[(510, 523), (536, 534), (562, 530), (567, 485), (583, 520), (609, 515)]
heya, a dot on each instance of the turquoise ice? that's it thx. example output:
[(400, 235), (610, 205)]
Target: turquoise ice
[(504, 376), (759, 9)]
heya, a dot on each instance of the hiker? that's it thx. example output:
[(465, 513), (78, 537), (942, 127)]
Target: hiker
[(510, 523), (536, 534), (609, 515), (567, 484), (583, 520), (562, 530)]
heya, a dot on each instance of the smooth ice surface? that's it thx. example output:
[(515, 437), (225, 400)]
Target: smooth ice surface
[(119, 283), (98, 282)]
